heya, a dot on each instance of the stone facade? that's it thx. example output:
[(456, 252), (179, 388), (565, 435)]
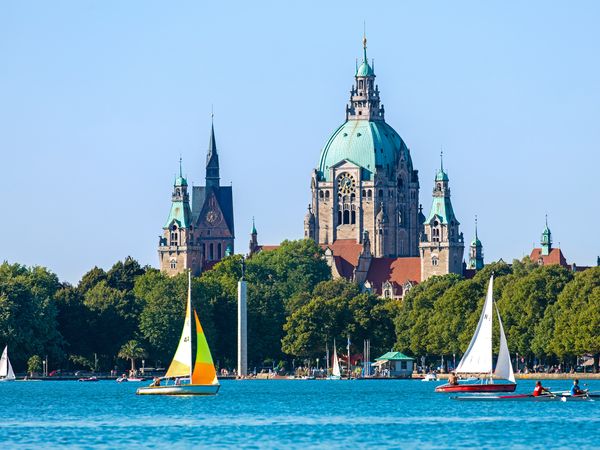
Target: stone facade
[(199, 233), (365, 181), (442, 244)]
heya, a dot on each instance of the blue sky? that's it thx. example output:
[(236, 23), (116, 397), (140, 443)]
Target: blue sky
[(98, 99)]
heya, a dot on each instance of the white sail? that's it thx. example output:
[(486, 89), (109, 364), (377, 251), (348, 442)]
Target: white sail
[(335, 371), (478, 357), (181, 366), (504, 368), (6, 370), (4, 363)]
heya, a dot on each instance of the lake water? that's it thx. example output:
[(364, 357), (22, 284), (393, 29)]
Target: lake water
[(286, 413)]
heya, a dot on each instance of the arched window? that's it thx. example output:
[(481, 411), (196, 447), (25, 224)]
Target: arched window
[(211, 252), (364, 193), (219, 254), (352, 197), (439, 187), (387, 293), (173, 264), (369, 194), (353, 217), (380, 193), (340, 216), (346, 216), (434, 260), (327, 195), (321, 194)]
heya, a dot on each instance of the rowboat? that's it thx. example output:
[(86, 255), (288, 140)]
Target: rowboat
[(88, 379), (188, 375), (527, 397), (478, 357), (430, 377)]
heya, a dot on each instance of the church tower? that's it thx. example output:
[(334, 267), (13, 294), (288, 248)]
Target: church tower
[(200, 232), (177, 249), (213, 211), (441, 245), (475, 252), (365, 180)]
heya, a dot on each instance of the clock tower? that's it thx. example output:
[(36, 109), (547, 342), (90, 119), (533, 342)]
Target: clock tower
[(210, 223)]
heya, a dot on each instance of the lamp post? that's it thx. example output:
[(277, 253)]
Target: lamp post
[(44, 368)]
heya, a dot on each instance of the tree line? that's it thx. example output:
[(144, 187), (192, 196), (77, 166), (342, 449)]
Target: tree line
[(113, 318)]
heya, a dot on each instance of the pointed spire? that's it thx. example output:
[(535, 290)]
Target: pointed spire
[(441, 159), (253, 226), (475, 226), (212, 158), (180, 168), (365, 43)]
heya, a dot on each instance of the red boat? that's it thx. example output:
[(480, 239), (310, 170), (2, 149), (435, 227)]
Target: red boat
[(478, 357), (480, 386)]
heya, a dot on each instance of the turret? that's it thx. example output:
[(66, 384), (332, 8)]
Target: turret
[(546, 240), (475, 252), (365, 103), (253, 246)]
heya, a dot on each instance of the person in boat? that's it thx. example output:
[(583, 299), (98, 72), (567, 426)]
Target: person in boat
[(539, 389), (575, 389), (155, 382), (452, 379), (177, 381)]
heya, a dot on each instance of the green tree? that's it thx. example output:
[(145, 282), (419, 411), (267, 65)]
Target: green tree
[(28, 313), (34, 365), (132, 350), (576, 316), (523, 304)]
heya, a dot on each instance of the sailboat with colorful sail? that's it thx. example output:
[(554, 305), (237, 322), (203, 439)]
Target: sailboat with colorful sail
[(336, 373), (6, 370), (477, 360), (200, 371)]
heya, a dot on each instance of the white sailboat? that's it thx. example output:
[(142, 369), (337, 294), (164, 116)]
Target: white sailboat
[(190, 377), (478, 357), (336, 373), (6, 370)]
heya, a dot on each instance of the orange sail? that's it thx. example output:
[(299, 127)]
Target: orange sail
[(204, 369)]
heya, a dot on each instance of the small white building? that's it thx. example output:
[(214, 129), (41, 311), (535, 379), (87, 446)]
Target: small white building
[(398, 365)]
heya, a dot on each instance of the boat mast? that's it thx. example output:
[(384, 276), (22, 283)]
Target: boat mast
[(189, 314)]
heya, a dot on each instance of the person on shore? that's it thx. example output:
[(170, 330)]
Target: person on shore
[(452, 379), (539, 389), (575, 389)]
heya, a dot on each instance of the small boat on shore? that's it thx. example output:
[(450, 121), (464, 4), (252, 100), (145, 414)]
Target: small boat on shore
[(336, 373), (130, 379), (6, 370), (478, 357), (188, 377), (430, 377), (88, 379)]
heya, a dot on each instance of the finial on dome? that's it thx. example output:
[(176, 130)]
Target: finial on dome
[(441, 158), (475, 226), (365, 42)]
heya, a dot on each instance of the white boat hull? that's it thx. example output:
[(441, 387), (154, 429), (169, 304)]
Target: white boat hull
[(186, 389)]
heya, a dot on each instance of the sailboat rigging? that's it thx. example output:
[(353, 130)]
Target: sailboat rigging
[(478, 357)]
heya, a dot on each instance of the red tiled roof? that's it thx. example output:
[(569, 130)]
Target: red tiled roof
[(555, 257), (267, 248), (395, 270), (347, 249), (343, 267)]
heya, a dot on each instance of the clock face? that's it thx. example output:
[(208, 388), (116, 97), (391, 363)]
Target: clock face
[(212, 217), (346, 183)]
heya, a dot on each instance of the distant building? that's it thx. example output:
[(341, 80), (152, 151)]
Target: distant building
[(200, 232), (365, 210), (546, 254), (475, 253)]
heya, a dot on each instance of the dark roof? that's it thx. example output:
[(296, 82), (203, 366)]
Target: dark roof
[(224, 196)]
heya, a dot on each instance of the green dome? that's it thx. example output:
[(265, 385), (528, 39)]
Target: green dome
[(475, 242), (370, 145), (365, 70), (180, 181)]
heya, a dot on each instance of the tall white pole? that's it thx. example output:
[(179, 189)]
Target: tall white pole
[(242, 357)]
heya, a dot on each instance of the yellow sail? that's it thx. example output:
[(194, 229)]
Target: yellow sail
[(204, 369), (181, 366)]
